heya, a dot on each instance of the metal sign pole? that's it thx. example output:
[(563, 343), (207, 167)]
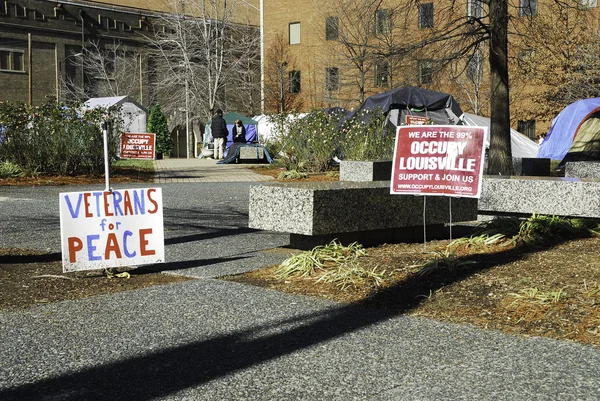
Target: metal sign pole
[(106, 169)]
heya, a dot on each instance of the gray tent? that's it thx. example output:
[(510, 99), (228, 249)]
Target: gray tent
[(441, 108)]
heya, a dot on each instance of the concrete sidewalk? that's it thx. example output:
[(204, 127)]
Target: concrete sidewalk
[(204, 170)]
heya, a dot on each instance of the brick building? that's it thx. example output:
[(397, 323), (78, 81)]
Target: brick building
[(41, 43), (320, 67)]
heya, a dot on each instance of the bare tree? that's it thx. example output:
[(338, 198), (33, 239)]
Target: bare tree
[(557, 52), (278, 65), (354, 25), (103, 70), (196, 47)]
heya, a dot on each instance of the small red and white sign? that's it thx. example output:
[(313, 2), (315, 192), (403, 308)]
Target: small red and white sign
[(416, 120), (438, 160), (137, 146)]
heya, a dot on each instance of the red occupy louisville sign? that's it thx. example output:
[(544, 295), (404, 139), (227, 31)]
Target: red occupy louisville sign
[(137, 146), (438, 160)]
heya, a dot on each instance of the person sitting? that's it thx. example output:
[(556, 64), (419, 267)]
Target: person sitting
[(238, 132)]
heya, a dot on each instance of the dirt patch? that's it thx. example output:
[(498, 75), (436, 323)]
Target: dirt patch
[(274, 171), (117, 175), (552, 292), (29, 278)]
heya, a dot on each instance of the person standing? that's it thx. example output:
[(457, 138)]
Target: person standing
[(218, 129), (238, 132)]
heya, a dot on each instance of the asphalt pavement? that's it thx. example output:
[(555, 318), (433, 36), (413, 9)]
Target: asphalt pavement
[(209, 339)]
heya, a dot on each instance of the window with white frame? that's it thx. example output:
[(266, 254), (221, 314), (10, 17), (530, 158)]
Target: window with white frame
[(425, 71), (527, 8), (294, 33), (331, 28), (332, 79), (12, 60), (426, 15), (295, 83), (589, 3), (383, 22), (474, 8), (382, 72)]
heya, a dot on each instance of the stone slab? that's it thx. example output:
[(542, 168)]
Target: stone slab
[(363, 171), (584, 169), (531, 166), (569, 197), (345, 207), (247, 152)]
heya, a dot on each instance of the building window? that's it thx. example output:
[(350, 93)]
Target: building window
[(475, 68), (332, 79), (331, 28), (382, 22), (474, 8), (589, 3), (527, 128), (382, 72), (12, 60), (295, 86), (426, 15), (425, 71), (528, 8), (294, 33)]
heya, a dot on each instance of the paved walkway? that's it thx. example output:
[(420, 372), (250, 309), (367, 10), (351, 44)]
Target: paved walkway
[(204, 170)]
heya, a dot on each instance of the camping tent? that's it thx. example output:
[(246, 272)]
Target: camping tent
[(133, 114), (439, 107), (521, 146), (574, 133), (249, 123)]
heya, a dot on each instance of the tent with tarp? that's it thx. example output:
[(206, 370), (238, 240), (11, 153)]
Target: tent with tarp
[(230, 118), (408, 102), (232, 151), (574, 134), (521, 146)]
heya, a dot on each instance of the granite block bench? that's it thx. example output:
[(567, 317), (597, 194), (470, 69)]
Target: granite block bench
[(584, 169), (568, 197), (316, 213)]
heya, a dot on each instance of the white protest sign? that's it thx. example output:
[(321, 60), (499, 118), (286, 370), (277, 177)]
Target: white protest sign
[(101, 229)]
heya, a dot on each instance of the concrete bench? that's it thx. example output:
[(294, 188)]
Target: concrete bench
[(316, 213), (586, 169), (569, 197)]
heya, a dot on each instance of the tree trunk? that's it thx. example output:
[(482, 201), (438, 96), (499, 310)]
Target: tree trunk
[(500, 153)]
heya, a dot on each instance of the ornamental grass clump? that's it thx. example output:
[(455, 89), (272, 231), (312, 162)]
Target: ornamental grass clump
[(540, 229), (333, 263)]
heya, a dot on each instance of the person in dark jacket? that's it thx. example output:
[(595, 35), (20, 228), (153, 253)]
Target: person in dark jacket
[(238, 132), (218, 129)]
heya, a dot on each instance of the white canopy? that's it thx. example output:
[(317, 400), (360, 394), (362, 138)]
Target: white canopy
[(134, 115), (522, 146)]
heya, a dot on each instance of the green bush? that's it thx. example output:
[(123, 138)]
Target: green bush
[(158, 124), (366, 137), (56, 139), (309, 143)]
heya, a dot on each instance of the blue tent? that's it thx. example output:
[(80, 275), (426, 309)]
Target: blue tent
[(574, 133), (250, 124)]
